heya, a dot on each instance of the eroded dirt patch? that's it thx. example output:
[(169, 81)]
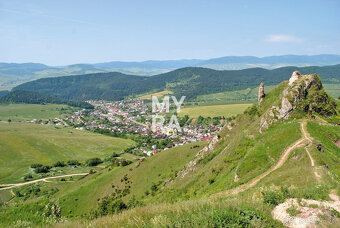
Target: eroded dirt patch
[(306, 213)]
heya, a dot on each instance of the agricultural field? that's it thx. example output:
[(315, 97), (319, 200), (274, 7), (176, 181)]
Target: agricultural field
[(333, 89), (158, 94), (22, 144), (227, 110), (24, 112)]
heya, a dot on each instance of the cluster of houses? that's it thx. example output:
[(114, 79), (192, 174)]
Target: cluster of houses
[(132, 117)]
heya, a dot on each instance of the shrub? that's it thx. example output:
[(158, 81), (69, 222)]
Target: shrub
[(110, 206), (28, 177), (252, 111), (114, 155), (59, 164), (125, 163), (93, 161), (73, 162), (42, 169), (272, 197), (211, 180)]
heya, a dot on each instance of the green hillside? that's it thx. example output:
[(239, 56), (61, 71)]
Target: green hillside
[(190, 82), (285, 149), (13, 74), (24, 144)]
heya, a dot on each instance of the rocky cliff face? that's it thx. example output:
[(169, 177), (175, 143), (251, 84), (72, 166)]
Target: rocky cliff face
[(304, 92)]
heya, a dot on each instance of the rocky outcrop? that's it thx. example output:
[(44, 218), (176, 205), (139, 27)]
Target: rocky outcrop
[(304, 92), (261, 93), (295, 76)]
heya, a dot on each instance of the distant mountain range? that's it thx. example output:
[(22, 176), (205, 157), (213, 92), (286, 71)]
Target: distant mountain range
[(12, 74), (190, 82)]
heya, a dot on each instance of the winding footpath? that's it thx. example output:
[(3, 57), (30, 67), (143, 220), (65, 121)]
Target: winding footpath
[(10, 186), (305, 139)]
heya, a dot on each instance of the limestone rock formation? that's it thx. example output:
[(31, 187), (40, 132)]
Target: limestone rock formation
[(261, 93), (304, 92), (295, 76)]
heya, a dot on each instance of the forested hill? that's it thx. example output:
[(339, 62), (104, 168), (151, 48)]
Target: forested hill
[(191, 82), (30, 97)]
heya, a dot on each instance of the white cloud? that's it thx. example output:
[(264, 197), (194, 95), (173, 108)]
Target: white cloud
[(282, 38)]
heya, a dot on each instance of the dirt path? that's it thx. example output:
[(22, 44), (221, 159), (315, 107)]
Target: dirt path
[(39, 180), (310, 157), (282, 160), (310, 140)]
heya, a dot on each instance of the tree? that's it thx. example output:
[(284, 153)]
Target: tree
[(59, 164), (73, 162), (9, 120), (93, 161)]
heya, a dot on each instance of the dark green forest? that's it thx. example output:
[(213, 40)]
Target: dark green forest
[(29, 97), (190, 82), (3, 93)]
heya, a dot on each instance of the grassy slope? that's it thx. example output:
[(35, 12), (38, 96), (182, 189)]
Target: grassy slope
[(24, 144), (194, 213), (82, 197), (213, 110), (22, 112), (326, 136), (249, 152)]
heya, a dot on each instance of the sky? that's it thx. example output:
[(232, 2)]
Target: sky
[(66, 32)]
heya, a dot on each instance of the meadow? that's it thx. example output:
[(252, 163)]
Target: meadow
[(24, 112), (227, 110), (22, 144), (142, 175)]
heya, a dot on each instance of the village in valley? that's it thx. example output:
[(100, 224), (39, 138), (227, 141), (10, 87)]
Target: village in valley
[(133, 119)]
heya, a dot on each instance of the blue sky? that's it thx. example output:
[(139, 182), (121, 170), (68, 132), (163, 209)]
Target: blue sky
[(66, 32)]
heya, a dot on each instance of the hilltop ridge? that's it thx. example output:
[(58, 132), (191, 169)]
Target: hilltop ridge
[(190, 82)]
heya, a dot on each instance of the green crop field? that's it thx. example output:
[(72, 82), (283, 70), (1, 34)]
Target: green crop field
[(214, 110), (333, 89), (22, 144), (23, 112)]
